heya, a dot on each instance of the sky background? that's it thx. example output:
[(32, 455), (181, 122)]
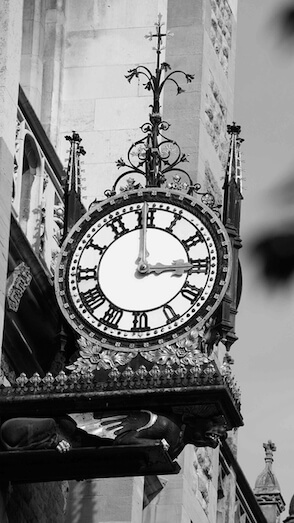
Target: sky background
[(264, 353)]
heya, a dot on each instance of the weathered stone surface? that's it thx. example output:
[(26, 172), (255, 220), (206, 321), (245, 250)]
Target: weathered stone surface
[(111, 14), (10, 45), (112, 83), (105, 500), (37, 503)]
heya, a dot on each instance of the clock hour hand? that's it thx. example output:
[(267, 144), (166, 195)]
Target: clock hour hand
[(178, 267), (143, 253)]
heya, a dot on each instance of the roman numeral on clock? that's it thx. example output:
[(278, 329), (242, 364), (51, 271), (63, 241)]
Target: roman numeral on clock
[(149, 218), (140, 321), (193, 240), (177, 217), (170, 314), (118, 227), (200, 265), (95, 246), (93, 298), (112, 316), (86, 273), (190, 292)]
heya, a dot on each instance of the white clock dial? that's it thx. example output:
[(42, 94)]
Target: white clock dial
[(142, 268), (125, 286)]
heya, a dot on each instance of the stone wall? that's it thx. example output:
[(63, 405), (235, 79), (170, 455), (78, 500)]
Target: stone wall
[(10, 44), (103, 40), (204, 44), (99, 500), (36, 503), (191, 495)]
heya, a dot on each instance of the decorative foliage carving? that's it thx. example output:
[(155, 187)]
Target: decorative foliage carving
[(17, 283), (212, 186), (186, 362), (58, 216), (216, 119), (271, 498), (204, 462), (196, 348), (93, 357), (229, 379), (202, 476), (16, 157), (144, 377), (131, 185), (156, 376), (221, 31), (6, 371)]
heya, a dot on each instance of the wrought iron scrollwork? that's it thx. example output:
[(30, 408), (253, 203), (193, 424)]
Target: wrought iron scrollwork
[(155, 158)]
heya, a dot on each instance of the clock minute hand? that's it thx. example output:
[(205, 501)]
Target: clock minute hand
[(178, 267), (143, 253)]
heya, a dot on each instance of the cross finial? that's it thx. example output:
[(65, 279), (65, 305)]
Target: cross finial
[(158, 35), (158, 25), (269, 448), (234, 129), (155, 153)]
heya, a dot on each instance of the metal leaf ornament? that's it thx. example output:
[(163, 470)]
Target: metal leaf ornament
[(93, 357)]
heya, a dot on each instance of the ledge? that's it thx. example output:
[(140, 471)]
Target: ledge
[(215, 397)]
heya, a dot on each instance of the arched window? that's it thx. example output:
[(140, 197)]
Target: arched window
[(30, 191), (31, 161)]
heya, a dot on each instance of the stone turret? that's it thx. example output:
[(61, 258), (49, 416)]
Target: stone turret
[(267, 489), (231, 215)]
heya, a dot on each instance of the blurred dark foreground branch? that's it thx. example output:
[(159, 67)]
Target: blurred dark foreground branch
[(276, 256), (275, 250)]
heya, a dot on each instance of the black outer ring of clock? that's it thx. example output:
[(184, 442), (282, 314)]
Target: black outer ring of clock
[(106, 207)]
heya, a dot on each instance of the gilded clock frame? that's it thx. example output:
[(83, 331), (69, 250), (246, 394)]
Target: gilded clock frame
[(223, 271)]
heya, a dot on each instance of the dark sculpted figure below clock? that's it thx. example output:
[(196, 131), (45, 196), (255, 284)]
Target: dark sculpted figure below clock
[(139, 428)]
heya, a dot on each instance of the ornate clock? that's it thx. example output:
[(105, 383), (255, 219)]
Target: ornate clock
[(142, 268)]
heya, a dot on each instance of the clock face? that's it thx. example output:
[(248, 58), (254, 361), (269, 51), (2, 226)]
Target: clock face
[(142, 268)]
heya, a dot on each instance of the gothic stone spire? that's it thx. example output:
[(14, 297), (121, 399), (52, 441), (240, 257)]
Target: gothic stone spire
[(267, 489), (74, 208)]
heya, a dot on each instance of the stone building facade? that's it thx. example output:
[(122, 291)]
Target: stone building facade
[(70, 59)]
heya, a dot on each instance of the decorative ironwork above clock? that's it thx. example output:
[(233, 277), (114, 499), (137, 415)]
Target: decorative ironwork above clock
[(155, 160), (142, 268)]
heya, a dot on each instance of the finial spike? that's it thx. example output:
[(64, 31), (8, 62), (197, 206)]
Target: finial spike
[(72, 191), (234, 165)]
